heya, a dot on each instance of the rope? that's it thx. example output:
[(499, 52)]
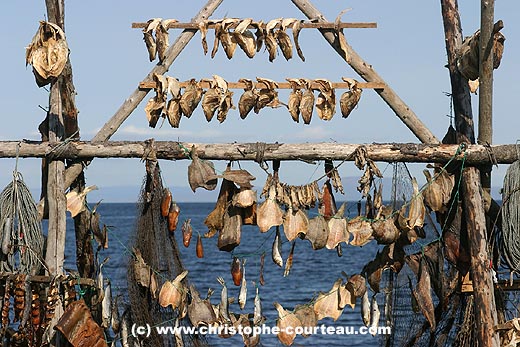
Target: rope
[(510, 245)]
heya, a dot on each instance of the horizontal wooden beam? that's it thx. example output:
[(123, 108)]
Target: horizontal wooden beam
[(387, 152), (307, 25), (281, 85), (47, 279)]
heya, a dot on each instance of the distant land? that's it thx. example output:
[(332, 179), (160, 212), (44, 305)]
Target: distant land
[(117, 194)]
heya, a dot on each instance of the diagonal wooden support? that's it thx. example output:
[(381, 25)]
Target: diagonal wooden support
[(131, 103), (367, 72)]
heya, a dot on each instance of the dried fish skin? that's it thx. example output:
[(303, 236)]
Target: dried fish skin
[(203, 28), (218, 30), (296, 28), (307, 317), (200, 312), (295, 99), (277, 249), (361, 229), (271, 43), (161, 40), (201, 173), (318, 232), (148, 38), (171, 293), (327, 304), (267, 96), (307, 103), (248, 99), (338, 232), (385, 231), (286, 319), (416, 210), (284, 42), (211, 103), (295, 223), (259, 35), (350, 98), (226, 38), (241, 177), (245, 38), (269, 213), (225, 106), (191, 98), (326, 101)]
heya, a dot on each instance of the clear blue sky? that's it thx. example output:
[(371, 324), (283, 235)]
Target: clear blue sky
[(109, 59)]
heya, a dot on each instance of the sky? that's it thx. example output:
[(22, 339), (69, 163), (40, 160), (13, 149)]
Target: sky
[(109, 59)]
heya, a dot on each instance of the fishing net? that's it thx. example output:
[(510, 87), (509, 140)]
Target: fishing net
[(20, 230), (159, 250), (453, 313)]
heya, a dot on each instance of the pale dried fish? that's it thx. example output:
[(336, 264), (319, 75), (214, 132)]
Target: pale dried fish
[(416, 210), (270, 39), (218, 30), (307, 102), (149, 39), (289, 262), (241, 177), (283, 40), (248, 99), (258, 318), (296, 28), (375, 314), (242, 297), (295, 98), (173, 109), (244, 198), (365, 309), (295, 223), (277, 249), (385, 231), (200, 312), (201, 173), (225, 106), (161, 38), (268, 96), (223, 312), (318, 232), (154, 107), (326, 101), (327, 304), (259, 35), (172, 292), (226, 38), (215, 220), (361, 229), (245, 38), (307, 317), (191, 97), (203, 27), (338, 232), (269, 213), (211, 100), (350, 98), (286, 322)]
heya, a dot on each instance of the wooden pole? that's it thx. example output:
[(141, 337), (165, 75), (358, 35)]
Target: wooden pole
[(367, 72), (485, 104), (131, 103), (170, 150), (481, 271)]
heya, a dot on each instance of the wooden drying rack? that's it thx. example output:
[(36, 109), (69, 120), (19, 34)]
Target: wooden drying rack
[(306, 25), (281, 85), (47, 279)]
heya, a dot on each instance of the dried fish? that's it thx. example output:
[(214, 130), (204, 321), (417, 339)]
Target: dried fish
[(385, 231), (173, 217), (283, 40), (268, 96), (437, 192), (261, 275), (148, 38), (259, 35), (106, 310), (161, 38), (48, 53), (277, 249), (241, 177), (225, 106), (286, 322), (361, 229), (416, 211), (53, 298), (236, 271), (269, 213), (270, 40), (199, 248), (295, 98), (200, 312), (223, 307), (338, 232), (203, 28), (295, 223), (350, 98), (187, 232), (248, 99), (166, 202), (423, 294), (375, 314), (143, 273), (76, 201), (288, 264), (191, 98), (36, 313), (318, 232), (244, 198), (249, 214), (307, 103), (258, 318), (365, 309), (244, 38), (172, 292), (326, 101), (6, 302), (229, 236), (211, 100), (154, 107), (115, 317), (201, 173), (307, 317), (19, 296), (327, 304), (296, 28), (173, 108), (215, 220), (327, 207), (242, 297)]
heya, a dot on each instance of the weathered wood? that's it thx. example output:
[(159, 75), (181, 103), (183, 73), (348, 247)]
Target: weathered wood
[(47, 279), (281, 85), (131, 103), (389, 152), (367, 72), (485, 100), (483, 291), (305, 25)]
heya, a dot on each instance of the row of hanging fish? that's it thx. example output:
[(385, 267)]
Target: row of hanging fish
[(171, 104)]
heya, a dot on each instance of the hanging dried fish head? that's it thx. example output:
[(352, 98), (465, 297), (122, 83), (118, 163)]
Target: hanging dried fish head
[(361, 229), (173, 292), (245, 38), (326, 101), (248, 99), (295, 98), (201, 173), (283, 39), (226, 38), (191, 98), (271, 43), (269, 213), (267, 96), (350, 98), (149, 39), (307, 102)]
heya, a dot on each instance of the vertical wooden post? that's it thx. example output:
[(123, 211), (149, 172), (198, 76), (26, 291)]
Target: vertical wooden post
[(485, 104), (485, 309)]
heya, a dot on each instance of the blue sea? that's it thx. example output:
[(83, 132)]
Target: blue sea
[(312, 271)]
